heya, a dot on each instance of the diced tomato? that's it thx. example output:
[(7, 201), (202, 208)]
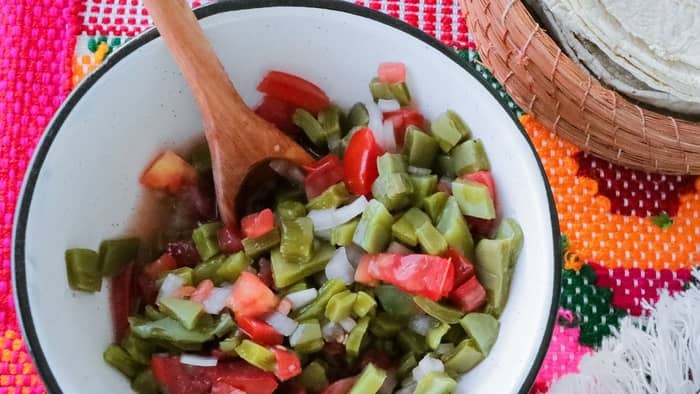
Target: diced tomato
[(403, 118), (257, 224), (322, 175), (169, 172), (294, 90), (419, 274), (360, 162), (203, 291), (229, 240), (464, 269), (470, 296), (121, 301), (265, 272), (246, 377), (184, 252), (250, 296), (362, 274), (449, 283), (225, 388), (157, 268), (342, 386), (178, 378), (278, 113), (184, 292), (259, 331), (391, 72), (288, 364), (384, 265)]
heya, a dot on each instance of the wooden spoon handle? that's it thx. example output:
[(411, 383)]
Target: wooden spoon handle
[(201, 68)]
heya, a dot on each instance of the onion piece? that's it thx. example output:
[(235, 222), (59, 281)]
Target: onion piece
[(327, 219), (421, 324), (281, 323), (216, 301), (287, 170), (198, 361), (348, 324), (388, 105), (386, 137), (375, 117), (339, 268), (301, 298), (419, 170), (425, 366), (170, 285), (332, 332)]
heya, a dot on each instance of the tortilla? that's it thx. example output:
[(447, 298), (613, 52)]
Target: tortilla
[(641, 67)]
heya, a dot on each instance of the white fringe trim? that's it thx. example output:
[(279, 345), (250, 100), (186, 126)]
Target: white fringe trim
[(657, 354)]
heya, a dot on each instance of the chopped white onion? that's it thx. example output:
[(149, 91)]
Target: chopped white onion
[(444, 348), (354, 254), (170, 285), (421, 324), (216, 301), (198, 361), (332, 332), (288, 170), (339, 268), (385, 136), (348, 324), (419, 170), (281, 323), (348, 212), (398, 248), (301, 298), (425, 366), (388, 105), (375, 117), (327, 219)]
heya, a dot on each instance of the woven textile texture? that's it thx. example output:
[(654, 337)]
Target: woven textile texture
[(628, 233)]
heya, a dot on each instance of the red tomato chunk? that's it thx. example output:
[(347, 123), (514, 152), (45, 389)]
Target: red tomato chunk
[(294, 90), (257, 224)]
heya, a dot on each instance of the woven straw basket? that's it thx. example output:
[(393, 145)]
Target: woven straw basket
[(569, 101)]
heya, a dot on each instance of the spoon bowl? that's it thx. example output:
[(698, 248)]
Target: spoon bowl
[(238, 138)]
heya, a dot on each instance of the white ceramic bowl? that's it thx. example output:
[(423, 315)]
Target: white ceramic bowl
[(82, 185)]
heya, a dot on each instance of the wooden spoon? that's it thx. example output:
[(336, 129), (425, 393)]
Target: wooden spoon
[(238, 138)]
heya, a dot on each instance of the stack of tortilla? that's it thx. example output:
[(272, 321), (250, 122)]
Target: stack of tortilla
[(648, 50)]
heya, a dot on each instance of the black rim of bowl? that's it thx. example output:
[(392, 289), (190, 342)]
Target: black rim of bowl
[(18, 271)]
